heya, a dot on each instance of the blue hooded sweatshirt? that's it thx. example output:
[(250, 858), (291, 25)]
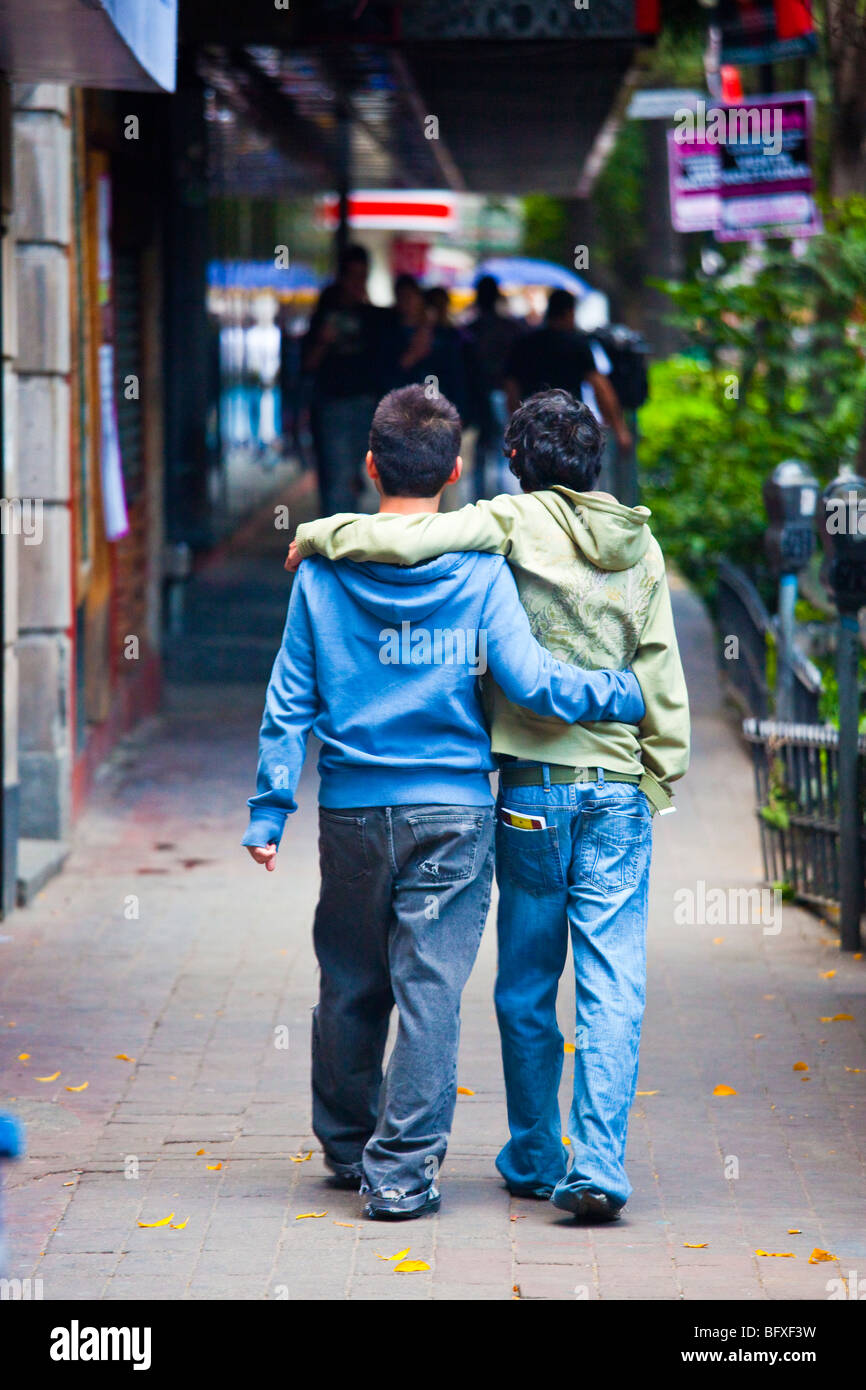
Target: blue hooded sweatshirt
[(383, 664)]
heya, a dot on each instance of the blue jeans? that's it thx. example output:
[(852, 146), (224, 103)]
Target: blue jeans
[(587, 873), (404, 899)]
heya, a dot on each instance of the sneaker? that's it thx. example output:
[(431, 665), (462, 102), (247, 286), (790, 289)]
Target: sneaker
[(389, 1204), (587, 1204)]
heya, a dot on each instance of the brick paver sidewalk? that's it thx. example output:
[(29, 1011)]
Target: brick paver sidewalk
[(164, 973)]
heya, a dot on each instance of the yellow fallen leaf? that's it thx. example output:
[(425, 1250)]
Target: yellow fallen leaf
[(646, 1093), (827, 974), (24, 1057), (565, 1139), (769, 996), (724, 1091), (69, 1184), (688, 1245), (166, 1221), (819, 1257), (180, 1225), (48, 1078), (410, 1267), (794, 1231), (199, 1152), (857, 1069), (858, 955), (213, 1167), (759, 1035), (842, 1018), (568, 1047), (122, 1057), (350, 1224), (83, 1087), (718, 940), (301, 1158), (302, 1215), (800, 1066), (464, 1091), (777, 1254), (401, 1254)]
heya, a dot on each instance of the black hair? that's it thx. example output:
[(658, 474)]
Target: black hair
[(352, 255), (551, 439), (487, 292), (559, 302), (414, 440), (405, 281)]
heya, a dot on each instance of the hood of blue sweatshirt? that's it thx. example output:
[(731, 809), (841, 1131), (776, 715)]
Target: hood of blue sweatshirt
[(393, 594)]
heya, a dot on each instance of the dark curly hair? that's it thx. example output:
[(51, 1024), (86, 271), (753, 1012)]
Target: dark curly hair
[(551, 439)]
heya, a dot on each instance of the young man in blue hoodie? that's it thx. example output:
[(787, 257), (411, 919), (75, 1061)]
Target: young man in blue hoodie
[(382, 664)]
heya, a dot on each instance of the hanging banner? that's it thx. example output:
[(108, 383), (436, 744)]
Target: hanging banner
[(744, 171), (111, 469)]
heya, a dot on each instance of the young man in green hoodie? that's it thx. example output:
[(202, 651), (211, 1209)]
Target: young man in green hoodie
[(573, 833)]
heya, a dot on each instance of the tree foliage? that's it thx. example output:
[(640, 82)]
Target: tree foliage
[(777, 369)]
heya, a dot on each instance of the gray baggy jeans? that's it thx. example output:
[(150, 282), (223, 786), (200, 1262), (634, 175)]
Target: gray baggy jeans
[(404, 898)]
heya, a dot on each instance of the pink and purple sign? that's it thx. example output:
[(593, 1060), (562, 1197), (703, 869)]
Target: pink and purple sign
[(765, 180), (744, 171)]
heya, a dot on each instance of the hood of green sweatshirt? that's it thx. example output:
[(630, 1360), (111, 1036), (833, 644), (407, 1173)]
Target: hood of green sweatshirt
[(611, 536)]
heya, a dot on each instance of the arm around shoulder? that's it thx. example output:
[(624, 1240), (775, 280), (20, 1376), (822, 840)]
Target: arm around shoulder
[(407, 540)]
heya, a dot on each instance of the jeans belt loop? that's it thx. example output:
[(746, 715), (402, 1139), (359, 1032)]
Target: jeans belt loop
[(600, 776), (546, 774)]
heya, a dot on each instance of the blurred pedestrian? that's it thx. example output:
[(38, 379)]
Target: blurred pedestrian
[(343, 352), (489, 337), (427, 351), (557, 356)]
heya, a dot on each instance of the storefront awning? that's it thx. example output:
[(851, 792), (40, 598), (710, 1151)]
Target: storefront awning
[(127, 44)]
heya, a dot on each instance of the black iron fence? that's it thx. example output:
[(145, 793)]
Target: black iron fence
[(797, 788), (742, 615)]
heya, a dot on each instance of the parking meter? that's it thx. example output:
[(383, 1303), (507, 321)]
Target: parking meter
[(790, 496), (842, 522), (842, 525)]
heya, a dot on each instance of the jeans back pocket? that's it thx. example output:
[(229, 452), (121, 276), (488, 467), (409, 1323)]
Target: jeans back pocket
[(343, 852), (446, 844), (614, 845), (529, 859)]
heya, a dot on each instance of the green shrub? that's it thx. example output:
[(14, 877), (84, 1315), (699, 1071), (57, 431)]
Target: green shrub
[(699, 472)]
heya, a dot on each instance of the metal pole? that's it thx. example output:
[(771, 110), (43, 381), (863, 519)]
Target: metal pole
[(785, 662), (344, 176), (850, 866)]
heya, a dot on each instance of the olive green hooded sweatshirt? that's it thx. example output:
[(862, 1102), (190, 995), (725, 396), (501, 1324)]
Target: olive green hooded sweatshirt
[(591, 577)]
